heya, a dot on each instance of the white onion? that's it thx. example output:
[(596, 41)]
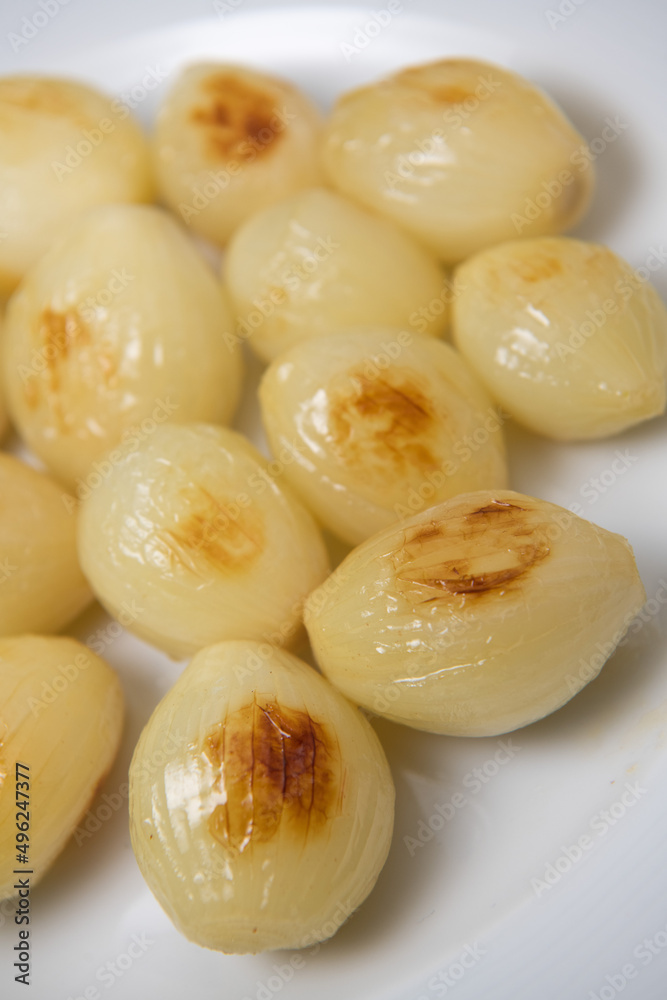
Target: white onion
[(317, 263), (370, 426), (272, 816), (42, 587), (64, 147), (228, 141), (62, 713), (477, 616), (564, 334), (120, 327), (461, 153), (193, 529)]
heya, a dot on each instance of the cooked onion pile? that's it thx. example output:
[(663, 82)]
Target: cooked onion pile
[(261, 800)]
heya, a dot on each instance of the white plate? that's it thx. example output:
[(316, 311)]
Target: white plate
[(472, 911)]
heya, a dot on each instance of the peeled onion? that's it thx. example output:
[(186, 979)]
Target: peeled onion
[(119, 328), (4, 420), (193, 529), (228, 142), (317, 263), (477, 616), (564, 334), (61, 708), (42, 587), (461, 153), (64, 147), (272, 817), (370, 426)]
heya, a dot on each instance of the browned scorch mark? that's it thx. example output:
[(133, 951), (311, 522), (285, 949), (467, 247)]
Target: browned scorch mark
[(59, 338), (274, 765), (40, 97), (211, 533), (539, 267), (470, 553), (386, 426), (237, 118), (462, 86)]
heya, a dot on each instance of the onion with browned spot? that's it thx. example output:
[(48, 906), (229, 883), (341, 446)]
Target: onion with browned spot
[(460, 152), (120, 327), (61, 717), (229, 141), (192, 530), (475, 617), (565, 335), (370, 426), (268, 820)]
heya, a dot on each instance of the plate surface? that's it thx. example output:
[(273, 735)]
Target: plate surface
[(550, 880)]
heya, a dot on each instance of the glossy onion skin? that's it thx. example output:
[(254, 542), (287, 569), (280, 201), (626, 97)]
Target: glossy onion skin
[(192, 529), (474, 618), (42, 587), (111, 329), (61, 713), (564, 334), (4, 419), (373, 425), (64, 148), (317, 263), (272, 817), (455, 151), (229, 141)]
